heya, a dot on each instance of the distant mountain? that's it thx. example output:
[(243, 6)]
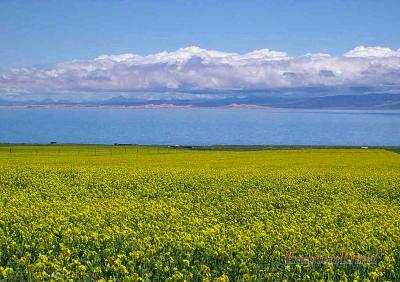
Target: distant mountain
[(252, 100), (368, 101)]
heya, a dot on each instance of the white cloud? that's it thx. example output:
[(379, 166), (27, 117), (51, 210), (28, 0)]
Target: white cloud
[(184, 54), (362, 51), (194, 68)]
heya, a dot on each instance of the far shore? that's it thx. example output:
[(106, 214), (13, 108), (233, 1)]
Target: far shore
[(145, 106)]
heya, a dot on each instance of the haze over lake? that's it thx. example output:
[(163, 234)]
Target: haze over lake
[(201, 126)]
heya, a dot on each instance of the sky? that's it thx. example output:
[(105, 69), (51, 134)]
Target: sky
[(73, 45)]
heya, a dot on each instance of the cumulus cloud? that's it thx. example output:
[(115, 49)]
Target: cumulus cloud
[(197, 68), (362, 52)]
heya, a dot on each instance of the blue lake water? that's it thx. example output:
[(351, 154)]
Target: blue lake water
[(200, 126)]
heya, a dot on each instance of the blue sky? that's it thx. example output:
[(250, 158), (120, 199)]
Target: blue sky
[(100, 49), (48, 32)]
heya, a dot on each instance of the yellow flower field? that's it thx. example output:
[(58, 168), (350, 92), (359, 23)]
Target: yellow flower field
[(115, 213)]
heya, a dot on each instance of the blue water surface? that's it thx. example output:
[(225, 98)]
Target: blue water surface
[(200, 126)]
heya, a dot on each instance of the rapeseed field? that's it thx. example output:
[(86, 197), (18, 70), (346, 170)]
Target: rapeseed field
[(115, 213)]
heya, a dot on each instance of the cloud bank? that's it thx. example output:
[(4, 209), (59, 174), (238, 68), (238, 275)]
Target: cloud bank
[(195, 68)]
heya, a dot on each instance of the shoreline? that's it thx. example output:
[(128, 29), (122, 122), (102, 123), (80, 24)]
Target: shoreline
[(216, 147), (173, 106), (134, 107)]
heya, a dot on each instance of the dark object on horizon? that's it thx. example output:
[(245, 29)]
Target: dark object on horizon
[(180, 146), (53, 142)]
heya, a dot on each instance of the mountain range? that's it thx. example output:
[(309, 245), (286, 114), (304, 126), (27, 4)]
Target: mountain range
[(365, 101)]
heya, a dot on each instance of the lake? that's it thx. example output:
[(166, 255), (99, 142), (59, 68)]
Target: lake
[(200, 126)]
